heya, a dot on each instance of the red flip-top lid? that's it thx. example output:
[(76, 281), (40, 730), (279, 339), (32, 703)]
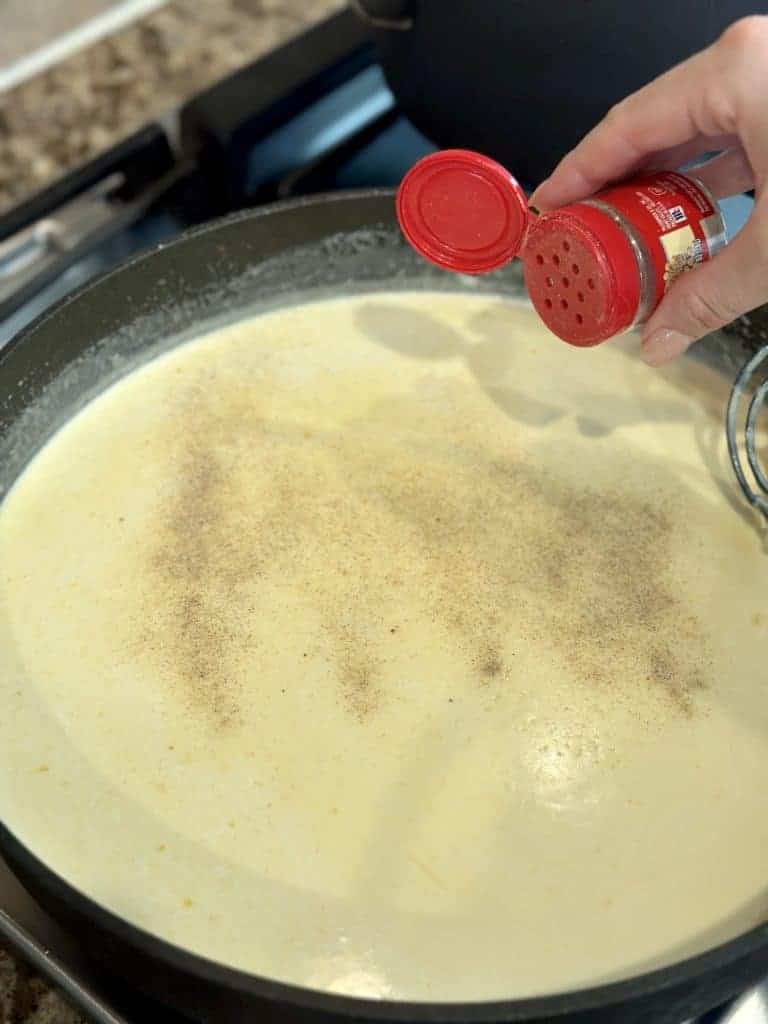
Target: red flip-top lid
[(463, 211)]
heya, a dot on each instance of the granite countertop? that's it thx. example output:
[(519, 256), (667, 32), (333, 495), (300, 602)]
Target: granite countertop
[(70, 113), (27, 999), (80, 107)]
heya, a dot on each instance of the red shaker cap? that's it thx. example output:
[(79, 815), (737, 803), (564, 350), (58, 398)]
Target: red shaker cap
[(582, 275), (463, 211)]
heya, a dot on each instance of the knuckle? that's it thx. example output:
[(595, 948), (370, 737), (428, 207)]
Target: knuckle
[(616, 116), (706, 313), (741, 70), (614, 128), (746, 36)]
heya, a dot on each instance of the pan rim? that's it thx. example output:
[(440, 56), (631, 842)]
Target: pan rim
[(553, 1005), (300, 997), (184, 237)]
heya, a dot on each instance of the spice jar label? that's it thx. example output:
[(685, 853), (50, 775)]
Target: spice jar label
[(683, 251), (679, 221)]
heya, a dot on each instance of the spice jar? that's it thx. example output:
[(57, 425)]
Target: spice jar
[(594, 269)]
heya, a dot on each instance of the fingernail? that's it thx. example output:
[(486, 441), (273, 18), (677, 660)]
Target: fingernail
[(663, 345), (534, 197)]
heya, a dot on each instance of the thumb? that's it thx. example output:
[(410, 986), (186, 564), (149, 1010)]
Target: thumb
[(711, 296)]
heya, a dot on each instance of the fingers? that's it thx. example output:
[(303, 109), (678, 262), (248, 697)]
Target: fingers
[(741, 71), (716, 96), (713, 295), (727, 175), (658, 117), (675, 157), (720, 91)]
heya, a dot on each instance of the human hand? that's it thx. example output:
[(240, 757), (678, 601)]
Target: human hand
[(715, 101)]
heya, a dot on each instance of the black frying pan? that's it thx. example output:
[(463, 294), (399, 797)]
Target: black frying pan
[(345, 243)]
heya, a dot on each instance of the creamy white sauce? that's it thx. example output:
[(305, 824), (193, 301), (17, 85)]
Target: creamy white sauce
[(390, 646)]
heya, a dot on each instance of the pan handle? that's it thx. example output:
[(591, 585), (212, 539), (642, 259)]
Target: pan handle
[(40, 252), (394, 15), (36, 249), (46, 234)]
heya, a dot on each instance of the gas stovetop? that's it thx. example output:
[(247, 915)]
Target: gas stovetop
[(312, 117)]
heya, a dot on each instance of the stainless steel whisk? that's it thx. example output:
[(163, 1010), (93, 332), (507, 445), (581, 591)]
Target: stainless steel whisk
[(756, 495)]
